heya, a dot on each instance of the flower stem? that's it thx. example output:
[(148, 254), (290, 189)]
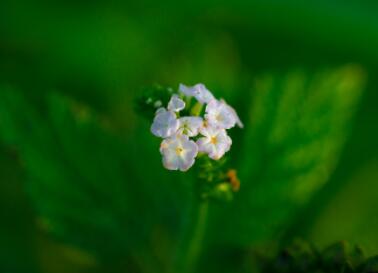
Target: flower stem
[(196, 241), (196, 109)]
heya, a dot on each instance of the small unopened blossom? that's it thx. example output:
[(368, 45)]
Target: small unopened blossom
[(165, 123), (199, 91), (215, 142), (190, 125), (157, 104), (176, 104), (178, 152), (220, 115)]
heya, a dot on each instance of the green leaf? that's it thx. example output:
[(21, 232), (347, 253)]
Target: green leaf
[(91, 189), (353, 207), (297, 126), (81, 181), (60, 182)]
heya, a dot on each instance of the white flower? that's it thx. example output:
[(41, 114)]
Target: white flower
[(233, 112), (176, 104), (165, 123), (220, 115), (178, 152), (198, 91), (190, 125), (215, 142), (209, 131)]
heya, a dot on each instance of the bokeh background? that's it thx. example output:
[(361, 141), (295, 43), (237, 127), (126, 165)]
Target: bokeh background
[(82, 188)]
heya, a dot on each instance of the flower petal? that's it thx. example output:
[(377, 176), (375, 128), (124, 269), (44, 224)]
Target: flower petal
[(199, 91), (215, 142), (190, 125), (233, 112), (176, 104), (218, 114), (178, 152), (165, 123)]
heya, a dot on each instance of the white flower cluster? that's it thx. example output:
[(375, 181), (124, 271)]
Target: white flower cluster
[(178, 148)]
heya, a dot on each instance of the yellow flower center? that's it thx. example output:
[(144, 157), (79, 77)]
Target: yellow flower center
[(179, 150), (213, 140)]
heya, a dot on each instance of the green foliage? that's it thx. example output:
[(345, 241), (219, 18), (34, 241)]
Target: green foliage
[(106, 193), (16, 234), (91, 189), (296, 127), (101, 52), (151, 99), (213, 181), (354, 208), (78, 173)]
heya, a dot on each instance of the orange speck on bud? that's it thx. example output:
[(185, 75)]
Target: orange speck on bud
[(234, 180)]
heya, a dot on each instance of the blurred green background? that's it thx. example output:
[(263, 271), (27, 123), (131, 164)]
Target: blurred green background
[(82, 188)]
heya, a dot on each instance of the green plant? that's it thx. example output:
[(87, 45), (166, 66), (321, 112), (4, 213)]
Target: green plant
[(102, 191)]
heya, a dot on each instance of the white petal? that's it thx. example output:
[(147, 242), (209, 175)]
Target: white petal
[(178, 152), (176, 104), (203, 94), (187, 90), (171, 161), (190, 125), (219, 114), (223, 145), (188, 157), (199, 91), (160, 110), (233, 111), (203, 145), (215, 142), (167, 149), (224, 138), (209, 131), (165, 124)]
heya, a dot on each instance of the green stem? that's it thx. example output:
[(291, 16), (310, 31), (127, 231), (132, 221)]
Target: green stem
[(196, 109), (195, 243)]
